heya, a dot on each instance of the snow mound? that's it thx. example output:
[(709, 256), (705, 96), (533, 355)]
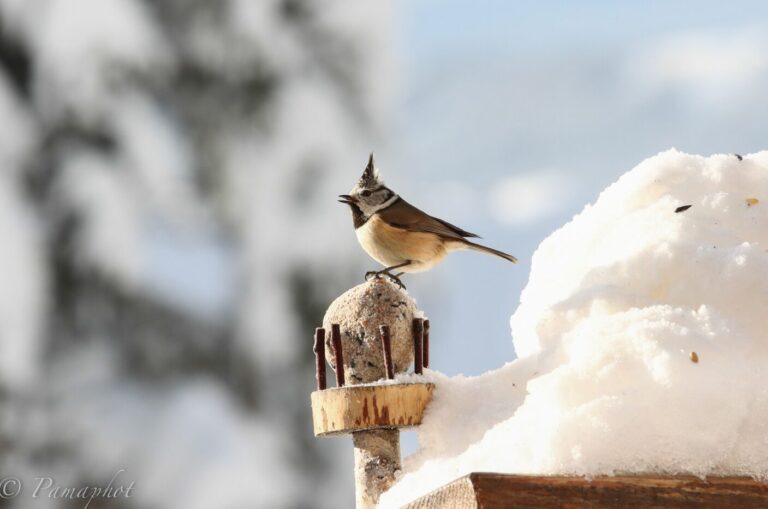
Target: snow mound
[(642, 336)]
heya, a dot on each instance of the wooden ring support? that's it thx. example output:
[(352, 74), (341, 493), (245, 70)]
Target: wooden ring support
[(366, 407)]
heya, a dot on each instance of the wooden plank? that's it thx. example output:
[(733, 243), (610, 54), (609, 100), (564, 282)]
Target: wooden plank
[(366, 407), (459, 494), (497, 491)]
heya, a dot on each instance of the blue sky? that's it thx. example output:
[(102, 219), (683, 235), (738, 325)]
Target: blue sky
[(434, 27), (493, 94)]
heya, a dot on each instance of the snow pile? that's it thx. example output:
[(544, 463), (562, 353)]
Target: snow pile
[(641, 337)]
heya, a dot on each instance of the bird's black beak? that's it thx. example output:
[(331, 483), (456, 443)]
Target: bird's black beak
[(345, 198)]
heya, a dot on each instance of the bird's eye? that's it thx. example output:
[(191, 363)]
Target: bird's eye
[(365, 193)]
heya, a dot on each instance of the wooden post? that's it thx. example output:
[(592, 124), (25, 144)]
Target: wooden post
[(386, 346), (425, 344), (338, 354), (319, 350), (418, 335), (373, 414), (377, 459)]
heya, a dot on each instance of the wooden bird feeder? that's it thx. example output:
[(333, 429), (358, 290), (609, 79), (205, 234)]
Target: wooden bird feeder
[(375, 333), (372, 413)]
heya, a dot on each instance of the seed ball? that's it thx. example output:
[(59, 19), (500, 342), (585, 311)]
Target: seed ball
[(359, 312)]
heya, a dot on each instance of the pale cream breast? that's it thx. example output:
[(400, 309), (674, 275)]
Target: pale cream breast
[(390, 246)]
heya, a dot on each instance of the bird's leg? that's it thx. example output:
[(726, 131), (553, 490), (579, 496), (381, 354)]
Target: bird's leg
[(386, 272), (388, 269)]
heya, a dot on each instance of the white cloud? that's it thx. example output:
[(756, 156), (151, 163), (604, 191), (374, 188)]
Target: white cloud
[(520, 199), (706, 67)]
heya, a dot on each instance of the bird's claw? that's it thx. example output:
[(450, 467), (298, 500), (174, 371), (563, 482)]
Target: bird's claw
[(381, 273), (396, 280)]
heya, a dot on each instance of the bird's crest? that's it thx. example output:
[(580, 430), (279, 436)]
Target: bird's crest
[(371, 178)]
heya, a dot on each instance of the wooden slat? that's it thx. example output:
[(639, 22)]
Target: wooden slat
[(459, 494), (497, 491)]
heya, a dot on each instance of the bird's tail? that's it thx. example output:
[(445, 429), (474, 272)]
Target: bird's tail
[(484, 249)]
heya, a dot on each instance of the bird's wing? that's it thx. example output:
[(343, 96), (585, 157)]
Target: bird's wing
[(402, 214)]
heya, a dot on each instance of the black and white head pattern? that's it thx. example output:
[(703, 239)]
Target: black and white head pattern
[(370, 193)]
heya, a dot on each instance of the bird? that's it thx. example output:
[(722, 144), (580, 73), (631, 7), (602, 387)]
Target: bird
[(398, 235)]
